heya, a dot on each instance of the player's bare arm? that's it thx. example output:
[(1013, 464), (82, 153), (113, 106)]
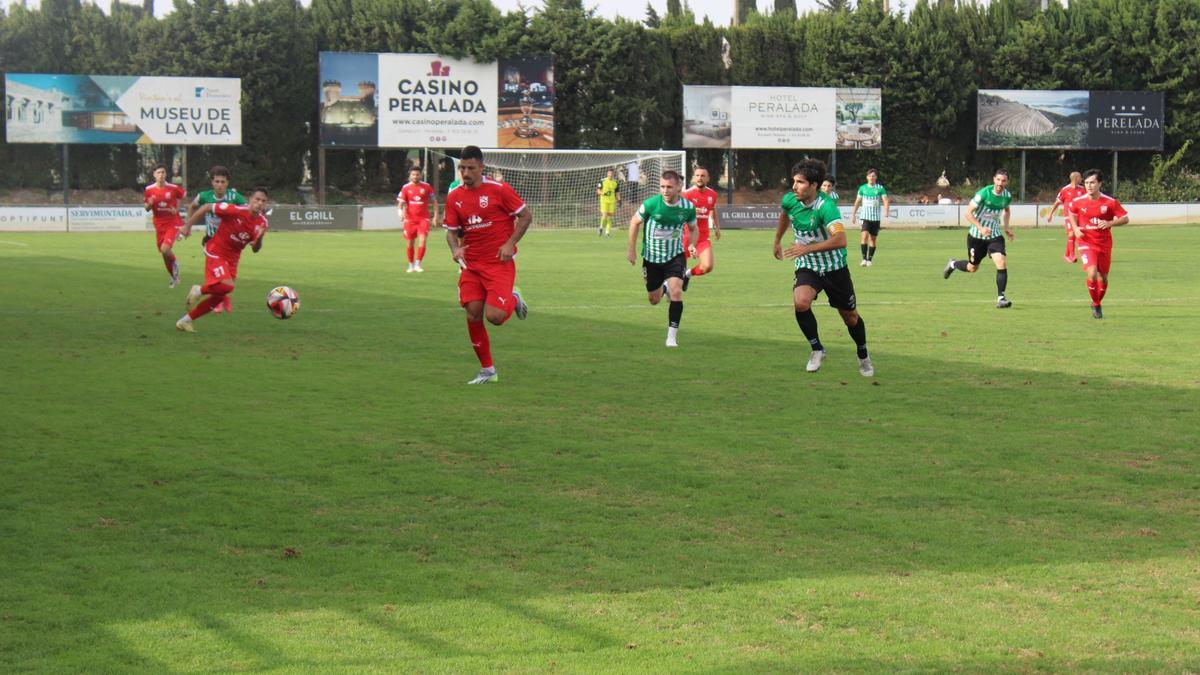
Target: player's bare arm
[(714, 227), (197, 215), (970, 215), (256, 245), (887, 204), (1053, 210), (784, 222), (835, 241), (693, 235), (457, 247), (520, 226), (635, 224), (854, 211), (1074, 221), (1108, 224), (1008, 231)]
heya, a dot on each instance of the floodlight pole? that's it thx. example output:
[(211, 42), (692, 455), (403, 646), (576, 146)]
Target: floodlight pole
[(729, 160), (66, 174), (183, 166), (1113, 189), (833, 163), (1022, 176), (321, 175)]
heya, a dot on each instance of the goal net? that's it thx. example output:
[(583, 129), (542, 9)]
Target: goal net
[(559, 186)]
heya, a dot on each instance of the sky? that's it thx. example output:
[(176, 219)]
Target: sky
[(719, 11)]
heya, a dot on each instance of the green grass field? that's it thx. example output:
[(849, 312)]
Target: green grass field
[(1016, 490)]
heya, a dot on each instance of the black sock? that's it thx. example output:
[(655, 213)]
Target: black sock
[(960, 265), (863, 247), (674, 313), (808, 326), (858, 333), (870, 253), (1001, 281)]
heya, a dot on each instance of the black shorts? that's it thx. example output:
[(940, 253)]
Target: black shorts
[(978, 249), (657, 273), (871, 227), (838, 287)]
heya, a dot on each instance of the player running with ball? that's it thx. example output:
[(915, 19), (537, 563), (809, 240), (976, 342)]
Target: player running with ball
[(484, 221), (240, 226)]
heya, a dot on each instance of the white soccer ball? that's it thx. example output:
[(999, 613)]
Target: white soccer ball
[(283, 302)]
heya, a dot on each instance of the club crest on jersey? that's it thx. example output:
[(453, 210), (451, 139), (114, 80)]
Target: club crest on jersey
[(483, 202), (1103, 209)]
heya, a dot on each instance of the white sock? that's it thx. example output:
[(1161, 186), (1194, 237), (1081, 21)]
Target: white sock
[(672, 331), (490, 370), (186, 319)]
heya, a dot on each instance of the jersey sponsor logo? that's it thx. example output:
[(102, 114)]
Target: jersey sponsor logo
[(476, 223)]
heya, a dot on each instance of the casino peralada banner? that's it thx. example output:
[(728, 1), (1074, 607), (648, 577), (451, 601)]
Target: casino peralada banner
[(843, 118), (425, 100), (1070, 120), (41, 108)]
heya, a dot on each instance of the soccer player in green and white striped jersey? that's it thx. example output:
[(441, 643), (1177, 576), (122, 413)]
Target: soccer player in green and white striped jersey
[(820, 254), (664, 262), (874, 201), (987, 213)]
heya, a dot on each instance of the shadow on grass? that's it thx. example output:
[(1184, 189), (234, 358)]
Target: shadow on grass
[(170, 474)]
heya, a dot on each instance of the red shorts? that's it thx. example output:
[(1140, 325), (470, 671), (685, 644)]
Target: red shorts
[(218, 269), (491, 282), (701, 245), (1091, 255), (414, 228), (167, 233)]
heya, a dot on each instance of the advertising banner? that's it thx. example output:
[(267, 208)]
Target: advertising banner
[(748, 217), (123, 109), (380, 218), (424, 100), (1069, 120), (782, 117), (706, 115), (108, 219), (525, 112), (33, 219), (314, 218)]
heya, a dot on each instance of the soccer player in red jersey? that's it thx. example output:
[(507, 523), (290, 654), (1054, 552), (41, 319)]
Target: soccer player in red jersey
[(413, 203), (1092, 218), (484, 220), (162, 198), (704, 199), (1066, 195), (240, 226)]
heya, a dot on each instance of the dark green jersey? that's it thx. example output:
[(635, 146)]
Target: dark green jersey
[(988, 208), (211, 221), (814, 223), (662, 236), (872, 201)]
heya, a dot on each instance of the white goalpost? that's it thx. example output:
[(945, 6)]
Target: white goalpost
[(560, 185)]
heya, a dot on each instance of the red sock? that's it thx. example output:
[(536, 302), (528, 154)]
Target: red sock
[(169, 261), (1070, 247), (1101, 289), (206, 305), (1094, 292), (420, 254), (410, 252), (697, 271), (481, 343)]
